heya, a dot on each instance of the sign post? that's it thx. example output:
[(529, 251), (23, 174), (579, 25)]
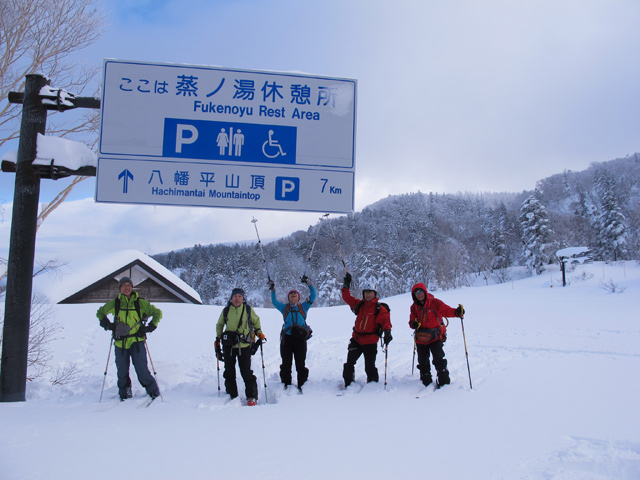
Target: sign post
[(212, 137), (36, 100)]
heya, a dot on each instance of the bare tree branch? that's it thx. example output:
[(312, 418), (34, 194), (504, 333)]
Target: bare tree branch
[(66, 375), (57, 201), (40, 36)]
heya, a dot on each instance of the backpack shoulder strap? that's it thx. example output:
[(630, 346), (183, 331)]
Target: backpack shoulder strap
[(382, 304), (357, 308), (249, 322), (225, 313), (287, 309), (136, 304)]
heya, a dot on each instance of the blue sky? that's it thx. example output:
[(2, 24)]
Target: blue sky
[(452, 95)]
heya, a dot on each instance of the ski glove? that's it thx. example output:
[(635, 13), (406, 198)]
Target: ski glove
[(218, 350), (387, 337), (415, 324), (460, 311), (306, 280), (271, 285), (256, 346), (347, 281), (261, 336), (106, 324), (150, 327)]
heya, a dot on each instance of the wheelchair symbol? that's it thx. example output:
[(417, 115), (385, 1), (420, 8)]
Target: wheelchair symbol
[(271, 143)]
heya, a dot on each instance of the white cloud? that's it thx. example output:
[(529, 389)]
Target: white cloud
[(453, 96)]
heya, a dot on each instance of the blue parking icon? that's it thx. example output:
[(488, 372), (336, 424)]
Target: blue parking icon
[(288, 189)]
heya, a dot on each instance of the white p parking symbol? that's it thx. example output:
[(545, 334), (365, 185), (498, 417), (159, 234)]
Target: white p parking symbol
[(181, 139), (288, 189)]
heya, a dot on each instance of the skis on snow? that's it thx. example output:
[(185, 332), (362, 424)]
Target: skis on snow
[(428, 390)]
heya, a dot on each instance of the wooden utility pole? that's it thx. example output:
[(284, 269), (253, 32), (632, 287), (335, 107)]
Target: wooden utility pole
[(22, 242)]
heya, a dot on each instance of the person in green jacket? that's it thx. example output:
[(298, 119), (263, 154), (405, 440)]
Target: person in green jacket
[(236, 324), (129, 332)]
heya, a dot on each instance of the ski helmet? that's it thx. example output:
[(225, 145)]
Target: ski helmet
[(369, 287)]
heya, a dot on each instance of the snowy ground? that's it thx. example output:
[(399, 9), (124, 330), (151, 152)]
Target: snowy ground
[(555, 395)]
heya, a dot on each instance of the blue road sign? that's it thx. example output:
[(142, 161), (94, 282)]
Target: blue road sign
[(208, 136)]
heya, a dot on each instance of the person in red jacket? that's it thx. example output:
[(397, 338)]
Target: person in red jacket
[(372, 321), (430, 332)]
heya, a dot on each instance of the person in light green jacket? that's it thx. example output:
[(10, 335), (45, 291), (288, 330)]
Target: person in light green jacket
[(237, 325), (129, 331)]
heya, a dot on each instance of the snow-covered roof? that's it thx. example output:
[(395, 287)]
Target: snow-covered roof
[(81, 274), (576, 254), (572, 252)]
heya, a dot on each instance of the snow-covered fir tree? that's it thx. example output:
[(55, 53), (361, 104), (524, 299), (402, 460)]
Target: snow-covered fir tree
[(535, 234), (611, 242)]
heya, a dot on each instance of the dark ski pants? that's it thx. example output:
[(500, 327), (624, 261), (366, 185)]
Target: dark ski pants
[(244, 362), (136, 354), (353, 354), (290, 349), (437, 351)]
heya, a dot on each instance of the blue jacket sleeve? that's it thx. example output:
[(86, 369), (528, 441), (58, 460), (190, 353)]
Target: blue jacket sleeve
[(312, 298), (274, 301)]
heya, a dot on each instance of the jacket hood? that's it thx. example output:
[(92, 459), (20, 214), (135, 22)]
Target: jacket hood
[(419, 286)]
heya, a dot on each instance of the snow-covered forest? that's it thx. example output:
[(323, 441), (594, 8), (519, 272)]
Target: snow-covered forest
[(446, 241)]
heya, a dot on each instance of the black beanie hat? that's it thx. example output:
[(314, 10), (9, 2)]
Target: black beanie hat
[(236, 291)]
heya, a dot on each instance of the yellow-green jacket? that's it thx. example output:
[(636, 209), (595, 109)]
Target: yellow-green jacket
[(129, 315), (237, 322)]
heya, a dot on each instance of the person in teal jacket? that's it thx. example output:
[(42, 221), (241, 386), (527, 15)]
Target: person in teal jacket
[(293, 340), (129, 332), (235, 329)]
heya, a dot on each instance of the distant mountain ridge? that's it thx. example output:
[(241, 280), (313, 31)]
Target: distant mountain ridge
[(444, 240)]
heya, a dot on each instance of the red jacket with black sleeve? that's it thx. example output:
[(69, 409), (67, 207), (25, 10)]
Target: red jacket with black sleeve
[(367, 322), (431, 313)]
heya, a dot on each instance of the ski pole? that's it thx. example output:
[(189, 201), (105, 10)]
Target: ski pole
[(466, 352), (155, 374), (338, 247), (264, 377), (106, 368), (414, 355), (304, 274), (255, 222), (386, 353), (218, 366)]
